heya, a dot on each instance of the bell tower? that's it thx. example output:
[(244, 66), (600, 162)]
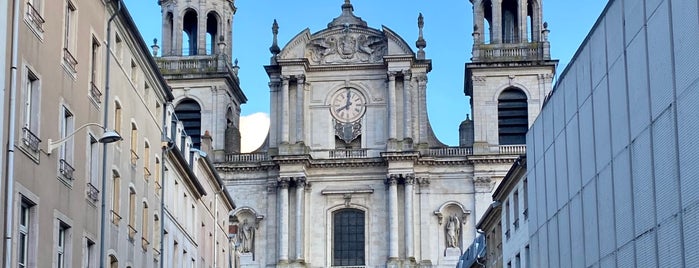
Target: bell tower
[(197, 27), (197, 45), (510, 73), (507, 80)]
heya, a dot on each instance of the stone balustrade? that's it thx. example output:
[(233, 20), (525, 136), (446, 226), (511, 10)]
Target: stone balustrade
[(509, 52)]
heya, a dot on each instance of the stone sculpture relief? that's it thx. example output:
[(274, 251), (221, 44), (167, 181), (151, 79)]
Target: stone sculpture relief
[(346, 48), (247, 237), (453, 229)]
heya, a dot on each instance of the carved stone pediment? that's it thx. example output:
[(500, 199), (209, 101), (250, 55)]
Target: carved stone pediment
[(346, 47)]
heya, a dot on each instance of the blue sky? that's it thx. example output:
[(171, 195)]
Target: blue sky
[(448, 28)]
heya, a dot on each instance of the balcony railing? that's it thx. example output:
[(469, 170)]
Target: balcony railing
[(115, 217), (70, 61), (95, 92), (502, 52), (132, 232), (92, 192), (144, 243), (30, 139), (450, 151), (348, 153), (247, 158), (513, 149), (134, 157), (35, 17), (146, 173), (66, 169)]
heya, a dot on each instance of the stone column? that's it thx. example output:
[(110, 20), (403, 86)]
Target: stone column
[(422, 108), (392, 133), (409, 181), (478, 18), (283, 219), (392, 183), (300, 201), (274, 113), (496, 36), (407, 105), (285, 109), (300, 92)]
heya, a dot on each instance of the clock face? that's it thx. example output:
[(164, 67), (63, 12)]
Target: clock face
[(347, 105)]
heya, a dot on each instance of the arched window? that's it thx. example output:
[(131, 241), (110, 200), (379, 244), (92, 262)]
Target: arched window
[(513, 117), (189, 33), (348, 238), (510, 21), (189, 113), (113, 262), (132, 213), (211, 32)]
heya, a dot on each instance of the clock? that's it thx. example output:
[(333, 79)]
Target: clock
[(347, 105)]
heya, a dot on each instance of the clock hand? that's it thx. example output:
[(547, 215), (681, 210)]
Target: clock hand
[(348, 96)]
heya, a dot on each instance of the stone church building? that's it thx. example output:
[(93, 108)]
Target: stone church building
[(351, 174)]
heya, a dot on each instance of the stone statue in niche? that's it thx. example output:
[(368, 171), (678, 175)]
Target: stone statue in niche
[(347, 48), (453, 229), (247, 237)]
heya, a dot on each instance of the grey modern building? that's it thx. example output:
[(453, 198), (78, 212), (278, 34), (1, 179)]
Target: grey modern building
[(612, 157)]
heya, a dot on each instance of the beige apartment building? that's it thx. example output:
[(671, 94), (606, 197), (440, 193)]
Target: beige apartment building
[(56, 172)]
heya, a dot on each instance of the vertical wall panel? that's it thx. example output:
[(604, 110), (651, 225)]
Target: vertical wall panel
[(541, 193), (608, 262), (670, 243), (571, 94), (532, 197), (660, 60), (547, 119), (544, 247), (561, 171), (601, 122), (559, 119), (587, 143), (665, 162), (564, 237), (534, 249), (605, 210), (637, 73), (538, 140), (652, 6), (550, 166), (615, 32), (626, 256), (619, 114), (687, 125), (582, 67), (685, 27), (598, 53), (633, 18), (589, 201), (691, 237), (645, 251), (623, 199), (554, 249), (644, 201), (577, 238), (573, 147)]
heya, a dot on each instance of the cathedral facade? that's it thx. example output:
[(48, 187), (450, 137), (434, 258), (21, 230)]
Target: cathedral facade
[(351, 174)]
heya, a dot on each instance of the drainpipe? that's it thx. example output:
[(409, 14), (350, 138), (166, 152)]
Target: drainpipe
[(10, 175), (103, 214)]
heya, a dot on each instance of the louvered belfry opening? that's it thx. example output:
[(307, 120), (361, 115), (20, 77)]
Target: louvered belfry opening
[(512, 117), (189, 113)]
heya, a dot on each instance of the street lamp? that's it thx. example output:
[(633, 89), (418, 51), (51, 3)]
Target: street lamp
[(109, 136)]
